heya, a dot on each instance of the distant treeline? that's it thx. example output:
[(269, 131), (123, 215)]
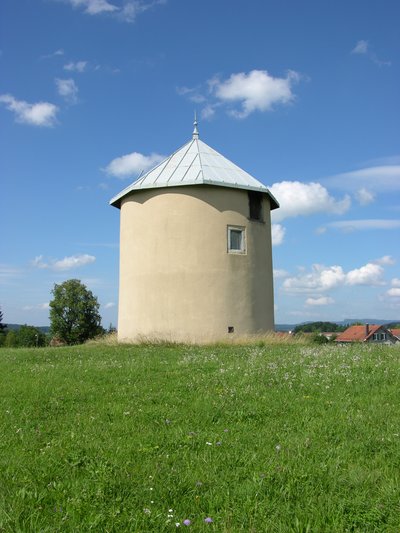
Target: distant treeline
[(43, 329), (393, 325), (333, 327), (23, 336), (319, 327)]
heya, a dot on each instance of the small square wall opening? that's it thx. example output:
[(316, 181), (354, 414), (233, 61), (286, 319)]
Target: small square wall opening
[(231, 329)]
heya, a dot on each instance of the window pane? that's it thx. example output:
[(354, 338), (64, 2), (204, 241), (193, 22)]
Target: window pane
[(236, 237)]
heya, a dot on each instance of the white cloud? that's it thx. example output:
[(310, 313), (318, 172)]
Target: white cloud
[(132, 164), (128, 12), (38, 262), (73, 261), (322, 300), (133, 8), (360, 225), (207, 112), (59, 52), (67, 89), (396, 282), (322, 278), (78, 66), (380, 178), (296, 198), (255, 91), (42, 307), (192, 93), (369, 274), (385, 260), (183, 91), (197, 99), (278, 234), (280, 273), (242, 93), (68, 263), (380, 62), (94, 7), (361, 47), (364, 197), (109, 305), (394, 292), (40, 114)]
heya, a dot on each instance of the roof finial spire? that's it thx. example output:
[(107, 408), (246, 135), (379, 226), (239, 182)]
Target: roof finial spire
[(195, 130)]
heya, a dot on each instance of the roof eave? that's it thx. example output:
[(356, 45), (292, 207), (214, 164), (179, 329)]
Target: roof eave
[(116, 200)]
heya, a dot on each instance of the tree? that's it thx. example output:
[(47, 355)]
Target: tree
[(312, 327), (74, 313), (3, 328), (30, 336), (11, 340)]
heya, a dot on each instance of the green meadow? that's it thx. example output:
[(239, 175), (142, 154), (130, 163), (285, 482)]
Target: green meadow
[(227, 438)]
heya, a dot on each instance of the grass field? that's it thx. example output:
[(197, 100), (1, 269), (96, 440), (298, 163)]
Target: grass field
[(275, 438)]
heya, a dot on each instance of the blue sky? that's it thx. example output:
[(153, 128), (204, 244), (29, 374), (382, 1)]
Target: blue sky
[(302, 95)]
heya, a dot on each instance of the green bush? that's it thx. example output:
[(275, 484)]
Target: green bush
[(317, 338), (25, 337), (11, 339)]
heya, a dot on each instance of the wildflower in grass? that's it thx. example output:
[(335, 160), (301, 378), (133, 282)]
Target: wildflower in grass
[(208, 520), (278, 447), (187, 522), (177, 524), (146, 511), (209, 443), (218, 443)]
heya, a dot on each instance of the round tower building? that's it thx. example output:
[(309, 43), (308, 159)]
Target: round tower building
[(195, 250)]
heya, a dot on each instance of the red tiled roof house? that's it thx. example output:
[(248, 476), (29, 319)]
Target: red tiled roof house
[(367, 333), (395, 332)]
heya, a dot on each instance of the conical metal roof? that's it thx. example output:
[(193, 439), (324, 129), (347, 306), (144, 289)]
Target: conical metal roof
[(195, 163)]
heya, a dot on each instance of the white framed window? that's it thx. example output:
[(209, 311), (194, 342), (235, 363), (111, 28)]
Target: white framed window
[(236, 240)]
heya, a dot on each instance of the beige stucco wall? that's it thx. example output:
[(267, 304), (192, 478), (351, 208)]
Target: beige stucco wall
[(177, 280)]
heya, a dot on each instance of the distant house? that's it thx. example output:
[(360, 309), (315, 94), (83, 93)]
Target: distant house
[(367, 333), (330, 335), (395, 332)]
